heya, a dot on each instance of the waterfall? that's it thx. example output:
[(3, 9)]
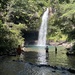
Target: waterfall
[(43, 29)]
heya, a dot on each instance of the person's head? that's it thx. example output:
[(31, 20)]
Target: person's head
[(19, 46)]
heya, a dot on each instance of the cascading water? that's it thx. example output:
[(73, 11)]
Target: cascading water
[(43, 29)]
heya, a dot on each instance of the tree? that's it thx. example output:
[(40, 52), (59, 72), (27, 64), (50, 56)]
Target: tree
[(63, 20)]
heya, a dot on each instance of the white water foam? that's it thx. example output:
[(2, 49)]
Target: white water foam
[(43, 29)]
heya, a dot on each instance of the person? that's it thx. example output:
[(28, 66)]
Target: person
[(47, 53), (55, 50), (19, 50), (46, 49)]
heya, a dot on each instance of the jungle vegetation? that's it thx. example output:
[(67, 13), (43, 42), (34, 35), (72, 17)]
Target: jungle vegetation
[(19, 15)]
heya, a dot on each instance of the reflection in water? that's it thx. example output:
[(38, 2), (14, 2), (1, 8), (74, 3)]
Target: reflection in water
[(47, 56), (39, 56), (42, 57), (21, 57), (31, 56), (71, 60), (35, 56)]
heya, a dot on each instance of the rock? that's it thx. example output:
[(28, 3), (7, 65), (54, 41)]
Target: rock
[(54, 71), (71, 70), (70, 53)]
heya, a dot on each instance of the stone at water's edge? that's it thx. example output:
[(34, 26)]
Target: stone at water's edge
[(70, 53)]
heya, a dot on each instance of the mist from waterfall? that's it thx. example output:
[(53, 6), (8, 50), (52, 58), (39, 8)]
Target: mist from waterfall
[(43, 29)]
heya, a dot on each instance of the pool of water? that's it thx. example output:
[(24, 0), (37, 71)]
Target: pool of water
[(38, 55), (15, 65)]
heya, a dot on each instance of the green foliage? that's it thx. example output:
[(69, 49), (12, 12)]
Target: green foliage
[(10, 38), (18, 15), (63, 21), (3, 4), (27, 12), (71, 35), (67, 10), (62, 1), (55, 32)]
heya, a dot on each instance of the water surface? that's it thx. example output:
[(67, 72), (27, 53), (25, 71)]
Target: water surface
[(37, 55)]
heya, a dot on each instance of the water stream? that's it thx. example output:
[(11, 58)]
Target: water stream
[(43, 29)]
